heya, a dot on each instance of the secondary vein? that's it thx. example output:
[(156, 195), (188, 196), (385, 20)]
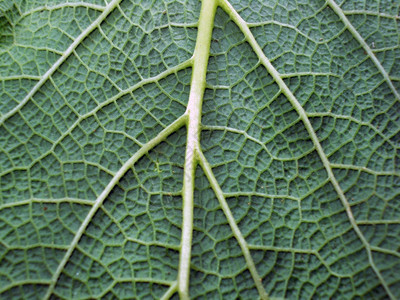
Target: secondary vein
[(99, 201), (232, 223), (306, 121), (110, 7)]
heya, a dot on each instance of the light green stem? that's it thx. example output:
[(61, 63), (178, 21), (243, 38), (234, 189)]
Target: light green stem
[(198, 84)]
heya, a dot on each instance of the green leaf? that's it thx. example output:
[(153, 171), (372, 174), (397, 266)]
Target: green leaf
[(214, 149)]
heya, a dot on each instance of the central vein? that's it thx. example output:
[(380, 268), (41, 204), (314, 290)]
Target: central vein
[(198, 83)]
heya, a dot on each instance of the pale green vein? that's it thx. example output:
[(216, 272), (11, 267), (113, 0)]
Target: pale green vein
[(257, 141), (364, 44), (314, 74), (89, 163), (303, 116), (96, 72), (344, 117), (64, 5), (36, 245), (124, 134), (154, 243), (198, 84), (370, 13), (68, 104), (352, 119), (193, 156), (297, 251), (364, 169), (50, 201), (129, 280), (172, 289), (378, 222), (46, 49), (147, 279), (232, 274), (99, 201), (144, 82), (158, 192), (241, 132), (264, 195), (20, 283), (284, 25), (164, 193), (137, 241), (232, 223), (110, 7), (21, 77), (282, 249), (169, 24), (261, 195), (386, 251), (379, 49), (117, 47), (83, 161), (217, 87), (89, 254)]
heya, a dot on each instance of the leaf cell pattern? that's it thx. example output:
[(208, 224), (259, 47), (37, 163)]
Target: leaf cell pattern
[(210, 149)]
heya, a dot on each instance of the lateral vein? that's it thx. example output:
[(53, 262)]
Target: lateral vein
[(99, 201), (303, 116)]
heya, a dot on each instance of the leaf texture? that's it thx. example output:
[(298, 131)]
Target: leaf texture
[(130, 168)]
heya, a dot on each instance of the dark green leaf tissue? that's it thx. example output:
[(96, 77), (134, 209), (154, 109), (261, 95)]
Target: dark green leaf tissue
[(193, 149)]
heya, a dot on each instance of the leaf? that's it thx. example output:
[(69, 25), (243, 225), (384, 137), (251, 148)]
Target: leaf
[(176, 149)]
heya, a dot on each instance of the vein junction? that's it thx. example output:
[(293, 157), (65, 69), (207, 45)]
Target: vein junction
[(194, 155)]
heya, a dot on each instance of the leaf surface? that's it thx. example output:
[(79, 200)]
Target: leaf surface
[(209, 149)]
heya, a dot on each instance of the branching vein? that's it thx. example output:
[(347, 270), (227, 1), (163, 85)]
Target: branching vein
[(336, 8), (232, 223), (109, 8), (99, 201), (303, 116)]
